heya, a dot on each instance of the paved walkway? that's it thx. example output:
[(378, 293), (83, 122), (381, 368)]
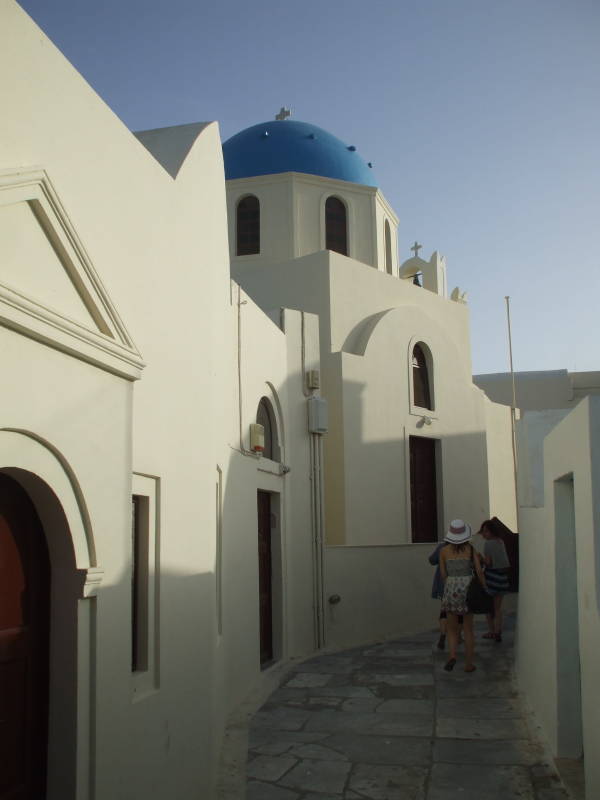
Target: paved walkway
[(386, 722)]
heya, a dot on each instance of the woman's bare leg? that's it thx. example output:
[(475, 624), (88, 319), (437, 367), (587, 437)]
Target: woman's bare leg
[(469, 641), (452, 633), (498, 613)]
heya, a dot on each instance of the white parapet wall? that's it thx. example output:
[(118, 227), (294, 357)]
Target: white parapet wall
[(383, 591)]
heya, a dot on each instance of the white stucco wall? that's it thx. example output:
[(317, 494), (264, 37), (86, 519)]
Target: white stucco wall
[(558, 648), (159, 245)]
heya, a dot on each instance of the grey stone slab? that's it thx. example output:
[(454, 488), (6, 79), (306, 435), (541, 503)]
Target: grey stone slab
[(457, 728), (405, 706), (317, 751), (330, 702), (330, 664), (396, 678), (421, 650), (307, 680), (393, 665), (257, 790), (281, 718), (269, 768), (554, 793), (381, 749), (342, 691), (493, 708), (464, 751), (361, 704), (404, 692), (475, 689), (286, 695), (311, 796), (384, 724), (318, 776), (451, 781), (273, 743), (378, 782)]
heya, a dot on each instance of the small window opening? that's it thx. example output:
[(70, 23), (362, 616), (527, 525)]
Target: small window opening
[(421, 383), (248, 226), (388, 248), (266, 418), (336, 226), (139, 583)]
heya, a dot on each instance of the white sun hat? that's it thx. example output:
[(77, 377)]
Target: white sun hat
[(459, 532)]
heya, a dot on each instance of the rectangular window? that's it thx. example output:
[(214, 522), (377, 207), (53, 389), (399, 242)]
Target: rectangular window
[(144, 585), (139, 583)]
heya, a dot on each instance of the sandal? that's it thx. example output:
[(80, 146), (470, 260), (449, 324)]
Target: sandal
[(472, 668), (489, 636), (498, 637), (449, 665)]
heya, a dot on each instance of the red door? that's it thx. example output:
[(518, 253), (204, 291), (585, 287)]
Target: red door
[(265, 577), (24, 605), (423, 492)]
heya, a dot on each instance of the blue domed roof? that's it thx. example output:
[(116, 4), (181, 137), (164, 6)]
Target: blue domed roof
[(291, 146)]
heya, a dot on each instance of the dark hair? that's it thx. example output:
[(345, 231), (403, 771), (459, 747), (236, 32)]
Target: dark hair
[(490, 525)]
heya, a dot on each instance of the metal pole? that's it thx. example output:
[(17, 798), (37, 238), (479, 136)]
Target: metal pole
[(513, 409)]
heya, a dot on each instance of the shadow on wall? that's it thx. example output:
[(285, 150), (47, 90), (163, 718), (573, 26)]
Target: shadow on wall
[(382, 493), (381, 577), (107, 725)]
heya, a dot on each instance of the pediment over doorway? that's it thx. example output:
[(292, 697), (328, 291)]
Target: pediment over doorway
[(49, 288)]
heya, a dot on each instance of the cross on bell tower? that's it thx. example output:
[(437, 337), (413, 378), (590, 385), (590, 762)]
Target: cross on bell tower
[(415, 248), (284, 113)]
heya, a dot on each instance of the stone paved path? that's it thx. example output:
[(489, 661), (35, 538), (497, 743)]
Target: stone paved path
[(386, 722)]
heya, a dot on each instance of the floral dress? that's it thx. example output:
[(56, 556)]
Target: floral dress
[(460, 572)]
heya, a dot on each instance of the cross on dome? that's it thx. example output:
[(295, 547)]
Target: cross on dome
[(416, 247), (284, 113)]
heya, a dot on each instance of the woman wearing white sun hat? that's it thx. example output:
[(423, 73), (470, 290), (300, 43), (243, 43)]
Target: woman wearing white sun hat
[(457, 563)]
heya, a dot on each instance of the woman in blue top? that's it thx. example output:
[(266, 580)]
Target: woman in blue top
[(496, 576)]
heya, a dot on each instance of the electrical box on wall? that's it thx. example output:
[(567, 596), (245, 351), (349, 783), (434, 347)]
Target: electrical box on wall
[(317, 415), (257, 438), (313, 379)]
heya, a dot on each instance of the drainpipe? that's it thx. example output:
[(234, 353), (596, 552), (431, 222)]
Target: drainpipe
[(317, 518)]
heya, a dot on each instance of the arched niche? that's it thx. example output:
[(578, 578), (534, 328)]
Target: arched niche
[(421, 367), (266, 416), (51, 485)]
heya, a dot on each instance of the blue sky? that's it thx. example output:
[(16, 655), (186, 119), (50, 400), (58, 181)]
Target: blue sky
[(481, 117)]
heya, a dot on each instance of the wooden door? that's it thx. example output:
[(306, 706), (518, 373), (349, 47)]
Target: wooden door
[(423, 489), (24, 624), (265, 577)]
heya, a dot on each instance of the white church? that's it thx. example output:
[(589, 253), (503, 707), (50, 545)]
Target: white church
[(233, 423)]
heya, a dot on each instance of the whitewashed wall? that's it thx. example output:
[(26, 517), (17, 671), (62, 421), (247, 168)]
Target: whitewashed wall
[(558, 648)]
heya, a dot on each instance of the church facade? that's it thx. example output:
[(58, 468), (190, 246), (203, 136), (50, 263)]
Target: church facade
[(234, 424)]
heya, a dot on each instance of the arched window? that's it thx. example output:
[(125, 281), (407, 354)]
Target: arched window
[(266, 417), (248, 226), (421, 383), (388, 248), (336, 226)]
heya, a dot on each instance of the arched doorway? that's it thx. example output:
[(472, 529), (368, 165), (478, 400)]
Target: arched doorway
[(24, 645)]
